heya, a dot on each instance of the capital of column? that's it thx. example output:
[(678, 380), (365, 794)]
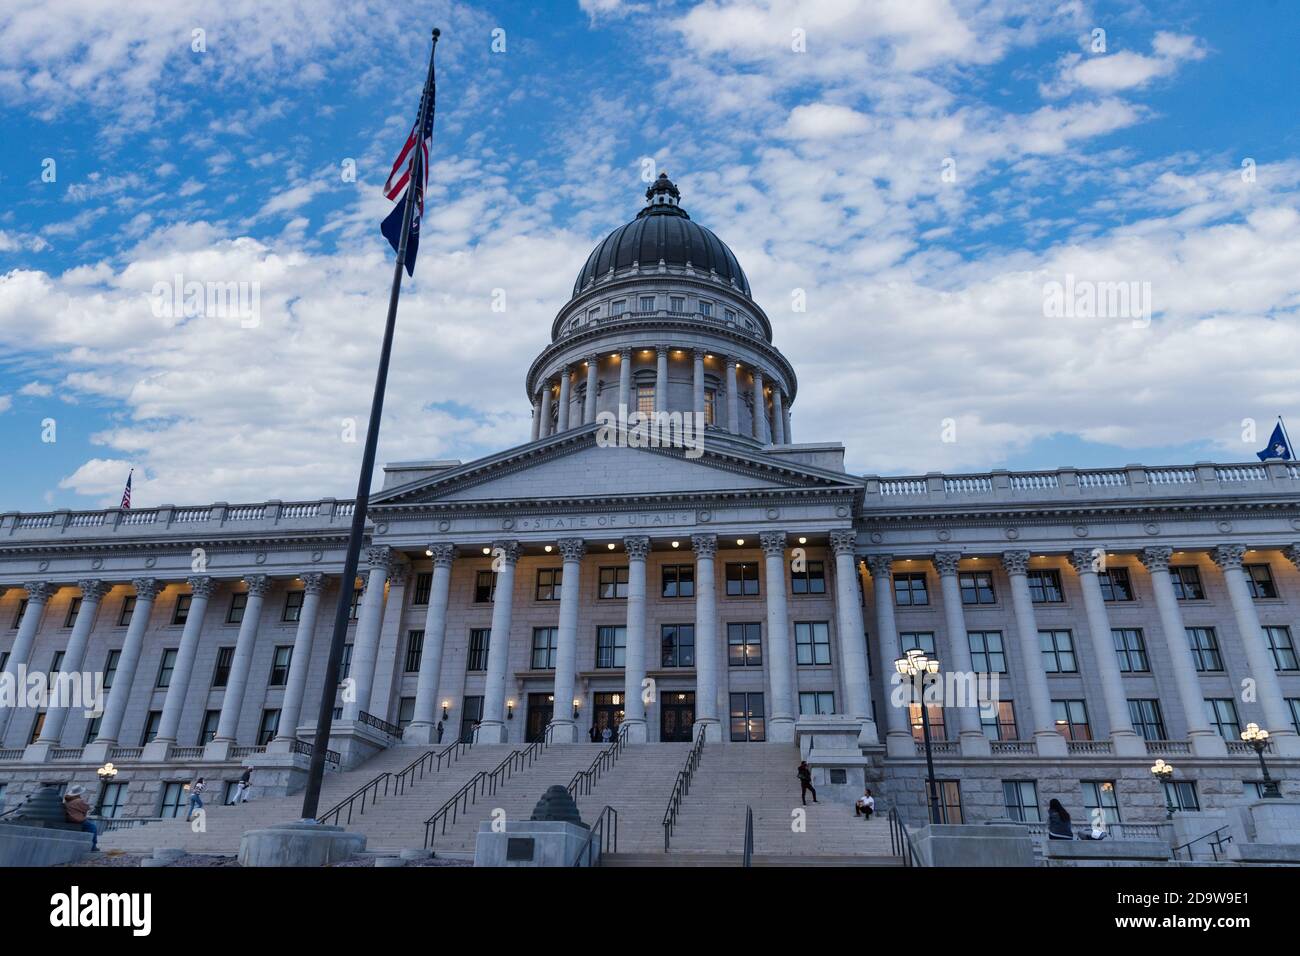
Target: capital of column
[(379, 558), (704, 545), (881, 565), (398, 568), (38, 592), (844, 540), (699, 354), (661, 350), (258, 584), (92, 589), (572, 549), (506, 551), (772, 543), (443, 555), (592, 360), (1228, 556), (1156, 559), (946, 562), (1015, 562), (201, 585), (637, 547), (1088, 560), (146, 589), (313, 582), (625, 355)]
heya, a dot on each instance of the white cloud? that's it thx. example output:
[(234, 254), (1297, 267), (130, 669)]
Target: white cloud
[(825, 121), (37, 389), (1124, 70)]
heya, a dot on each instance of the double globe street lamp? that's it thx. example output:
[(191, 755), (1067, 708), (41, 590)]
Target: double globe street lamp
[(913, 665), (1257, 737), (1164, 772)]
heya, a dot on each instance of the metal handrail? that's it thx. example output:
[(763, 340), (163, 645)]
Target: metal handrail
[(747, 852), (602, 838), (332, 757), (682, 788), (584, 780), (1215, 842), (369, 789), (381, 725), (429, 761), (900, 840), (457, 804)]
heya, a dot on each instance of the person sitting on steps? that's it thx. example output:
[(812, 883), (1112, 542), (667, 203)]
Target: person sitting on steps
[(865, 805)]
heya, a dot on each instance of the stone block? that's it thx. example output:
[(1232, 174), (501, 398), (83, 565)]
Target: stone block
[(298, 844), (1107, 852), (967, 844), (530, 843), (22, 845)]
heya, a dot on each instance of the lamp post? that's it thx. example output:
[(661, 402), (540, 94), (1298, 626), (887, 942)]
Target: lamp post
[(1257, 737), (914, 664), (1164, 772)]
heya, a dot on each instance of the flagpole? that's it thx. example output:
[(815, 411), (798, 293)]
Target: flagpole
[(325, 716), (1290, 449)]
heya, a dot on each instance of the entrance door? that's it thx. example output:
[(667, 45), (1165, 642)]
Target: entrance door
[(607, 711), (470, 715), (540, 709), (676, 716)]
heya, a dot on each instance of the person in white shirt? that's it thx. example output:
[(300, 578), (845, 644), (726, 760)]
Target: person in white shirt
[(865, 806)]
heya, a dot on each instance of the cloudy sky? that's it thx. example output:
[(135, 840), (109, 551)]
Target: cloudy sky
[(925, 171)]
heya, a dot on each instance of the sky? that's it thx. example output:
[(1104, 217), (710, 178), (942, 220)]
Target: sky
[(927, 176)]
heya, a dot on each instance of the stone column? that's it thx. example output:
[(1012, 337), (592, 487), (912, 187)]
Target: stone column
[(424, 721), (365, 649), (566, 651), (661, 379), (492, 728), (38, 595), (593, 385), (544, 428), (789, 434), (638, 549), (898, 734), (1049, 741), (201, 588), (146, 592), (562, 424), (973, 741), (1123, 738), (707, 650), (778, 417), (852, 636), (733, 398), (760, 409), (92, 592), (1277, 718), (537, 421), (1205, 742), (625, 381), (295, 685), (780, 722), (699, 384), (232, 702)]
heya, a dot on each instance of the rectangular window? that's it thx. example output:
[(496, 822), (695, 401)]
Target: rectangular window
[(293, 606), (811, 580), (1181, 795), (37, 726), (485, 587), (221, 672), (1045, 586), (1260, 579), (917, 641), (269, 724), (18, 618), (1147, 719), (151, 723), (354, 607), (678, 580), (112, 798), (1131, 650), (710, 404), (545, 642), (816, 702), (910, 590), (935, 713), (976, 587), (1101, 802), (645, 399), (110, 668), (74, 608), (166, 667), (1115, 585), (238, 602), (92, 730), (1021, 799), (1000, 725), (414, 651), (280, 660), (742, 578), (986, 653), (611, 646), (128, 608), (613, 583), (748, 722), (1058, 652), (949, 801), (56, 664), (208, 729), (729, 315), (548, 584), (1283, 648), (1205, 649), (812, 642), (1222, 714), (423, 585), (1294, 704), (677, 643), (744, 645), (618, 307), (647, 303), (676, 303), (479, 640), (174, 801), (706, 307), (1071, 718), (405, 711), (345, 666), (1187, 582)]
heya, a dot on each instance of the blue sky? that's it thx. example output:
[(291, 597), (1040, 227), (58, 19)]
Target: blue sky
[(922, 170)]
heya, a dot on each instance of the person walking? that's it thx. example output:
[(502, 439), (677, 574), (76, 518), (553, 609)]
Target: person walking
[(77, 810), (440, 731), (605, 735), (1058, 821), (242, 788), (196, 798), (805, 782), (865, 805)]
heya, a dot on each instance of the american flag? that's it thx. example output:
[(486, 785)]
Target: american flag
[(126, 493), (411, 163)]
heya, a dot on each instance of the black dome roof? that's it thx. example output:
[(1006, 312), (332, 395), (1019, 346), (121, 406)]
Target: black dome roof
[(662, 230)]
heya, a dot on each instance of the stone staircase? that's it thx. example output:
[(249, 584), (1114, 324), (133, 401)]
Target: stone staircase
[(637, 787)]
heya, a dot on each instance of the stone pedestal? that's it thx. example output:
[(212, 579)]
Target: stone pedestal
[(636, 732), (967, 844), (1276, 821), (277, 774), (22, 845), (218, 750), (356, 742), (156, 751), (531, 843), (97, 752), (38, 752), (299, 844), (1107, 853), (1208, 745)]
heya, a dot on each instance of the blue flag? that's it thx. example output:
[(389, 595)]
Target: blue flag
[(1278, 446), (410, 172)]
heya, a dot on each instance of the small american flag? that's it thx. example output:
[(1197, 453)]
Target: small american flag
[(126, 493), (412, 161)]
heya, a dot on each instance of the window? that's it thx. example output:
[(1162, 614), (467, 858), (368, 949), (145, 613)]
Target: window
[(986, 653), (613, 583), (706, 307), (816, 702), (812, 642), (949, 801), (1021, 798), (545, 642), (37, 726), (485, 587), (744, 645), (221, 672), (165, 668), (74, 608), (611, 646), (1115, 585), (747, 718), (112, 797), (618, 307), (548, 584), (678, 580), (174, 801), (470, 715), (479, 640), (238, 603), (1205, 648), (1058, 652), (280, 661), (676, 303), (208, 730), (345, 666), (128, 608), (1147, 719), (1253, 789), (647, 303), (1222, 713), (1071, 718), (1187, 583), (1001, 724), (811, 580), (729, 315), (269, 725), (1280, 643), (56, 664), (92, 730), (976, 587), (917, 641), (1260, 579), (935, 713), (1045, 586), (151, 723), (710, 406), (592, 316), (110, 667), (677, 643), (1294, 704), (1101, 802), (1131, 650), (645, 399), (405, 711), (18, 618), (910, 590), (742, 579), (414, 651), (354, 608), (292, 606), (423, 585), (1181, 795)]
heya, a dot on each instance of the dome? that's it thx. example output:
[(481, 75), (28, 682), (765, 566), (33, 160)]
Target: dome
[(662, 230)]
